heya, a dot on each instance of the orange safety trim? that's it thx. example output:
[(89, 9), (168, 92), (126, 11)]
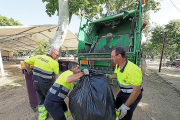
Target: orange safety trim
[(84, 62), (23, 67)]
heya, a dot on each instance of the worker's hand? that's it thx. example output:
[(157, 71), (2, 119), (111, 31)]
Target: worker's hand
[(123, 110), (86, 72), (30, 72), (108, 75)]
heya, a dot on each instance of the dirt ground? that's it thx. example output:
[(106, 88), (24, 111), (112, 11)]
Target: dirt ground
[(160, 100)]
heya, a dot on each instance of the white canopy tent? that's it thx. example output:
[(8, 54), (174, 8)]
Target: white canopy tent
[(24, 38)]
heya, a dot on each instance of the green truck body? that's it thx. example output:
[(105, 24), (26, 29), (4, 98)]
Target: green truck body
[(99, 37)]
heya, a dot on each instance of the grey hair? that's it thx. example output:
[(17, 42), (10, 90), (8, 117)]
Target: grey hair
[(72, 64)]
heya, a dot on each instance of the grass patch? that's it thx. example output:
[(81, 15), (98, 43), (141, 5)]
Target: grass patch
[(3, 88), (20, 81), (157, 60), (6, 87)]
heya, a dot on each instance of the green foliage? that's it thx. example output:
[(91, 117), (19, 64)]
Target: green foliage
[(42, 47), (51, 6), (98, 8), (154, 45), (69, 52), (150, 49), (173, 32), (132, 4), (15, 53), (91, 8), (73, 52), (4, 21), (25, 53), (94, 8), (173, 39)]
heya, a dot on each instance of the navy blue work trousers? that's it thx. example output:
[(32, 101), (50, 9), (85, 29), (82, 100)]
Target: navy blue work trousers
[(56, 109), (122, 98), (41, 90)]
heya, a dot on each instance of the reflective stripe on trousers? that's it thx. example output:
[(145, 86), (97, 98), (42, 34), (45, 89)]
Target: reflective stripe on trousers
[(66, 114), (61, 95), (117, 115), (42, 112)]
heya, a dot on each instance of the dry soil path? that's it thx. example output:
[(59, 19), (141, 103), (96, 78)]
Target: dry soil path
[(160, 98)]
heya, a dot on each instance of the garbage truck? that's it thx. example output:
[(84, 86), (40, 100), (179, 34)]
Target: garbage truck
[(98, 38)]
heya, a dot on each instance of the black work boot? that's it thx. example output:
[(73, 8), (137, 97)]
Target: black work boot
[(47, 116), (34, 109)]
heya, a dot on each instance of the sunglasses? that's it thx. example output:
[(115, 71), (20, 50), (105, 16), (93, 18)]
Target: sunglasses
[(114, 56), (56, 55)]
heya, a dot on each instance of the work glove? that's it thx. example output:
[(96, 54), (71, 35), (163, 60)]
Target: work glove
[(108, 75), (86, 72), (30, 72), (123, 110)]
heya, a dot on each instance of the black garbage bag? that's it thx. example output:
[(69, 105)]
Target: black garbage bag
[(92, 98)]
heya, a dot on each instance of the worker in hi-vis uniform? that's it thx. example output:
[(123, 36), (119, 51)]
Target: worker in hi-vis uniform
[(44, 71), (129, 77), (54, 101)]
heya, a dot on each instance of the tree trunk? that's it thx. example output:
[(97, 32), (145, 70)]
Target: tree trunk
[(62, 27)]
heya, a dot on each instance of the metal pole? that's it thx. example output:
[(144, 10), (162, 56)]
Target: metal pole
[(162, 52), (66, 54), (1, 65)]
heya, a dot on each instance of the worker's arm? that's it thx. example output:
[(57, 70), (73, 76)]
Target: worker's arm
[(113, 76), (56, 68), (28, 62), (74, 77), (134, 95), (27, 66), (135, 78), (125, 106)]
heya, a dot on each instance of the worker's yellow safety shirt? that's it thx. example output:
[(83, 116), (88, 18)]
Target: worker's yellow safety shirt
[(45, 67), (62, 79), (60, 88), (129, 75)]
